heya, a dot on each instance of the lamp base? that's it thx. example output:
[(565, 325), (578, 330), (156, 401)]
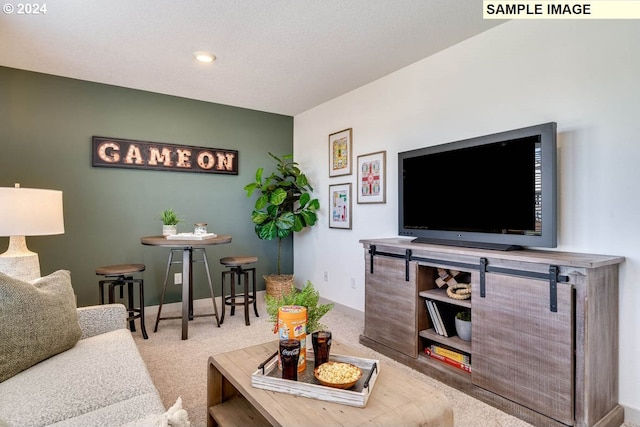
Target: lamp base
[(18, 261)]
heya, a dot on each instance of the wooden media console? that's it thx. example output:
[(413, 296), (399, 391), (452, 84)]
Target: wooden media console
[(544, 341)]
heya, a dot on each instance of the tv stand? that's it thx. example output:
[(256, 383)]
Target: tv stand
[(544, 341), (464, 244)]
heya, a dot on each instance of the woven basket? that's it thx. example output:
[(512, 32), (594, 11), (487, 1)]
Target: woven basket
[(278, 284)]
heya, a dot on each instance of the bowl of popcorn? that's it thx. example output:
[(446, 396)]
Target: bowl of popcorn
[(338, 374)]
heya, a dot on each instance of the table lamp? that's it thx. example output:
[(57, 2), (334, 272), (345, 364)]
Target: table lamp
[(27, 212)]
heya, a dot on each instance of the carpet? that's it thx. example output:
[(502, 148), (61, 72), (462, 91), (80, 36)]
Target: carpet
[(179, 367)]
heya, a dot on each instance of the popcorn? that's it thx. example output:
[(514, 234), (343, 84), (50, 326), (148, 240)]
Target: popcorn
[(338, 372)]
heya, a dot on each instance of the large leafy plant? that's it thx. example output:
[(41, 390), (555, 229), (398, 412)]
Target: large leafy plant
[(307, 297), (284, 204)]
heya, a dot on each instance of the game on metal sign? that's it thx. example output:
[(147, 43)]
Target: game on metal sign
[(124, 153)]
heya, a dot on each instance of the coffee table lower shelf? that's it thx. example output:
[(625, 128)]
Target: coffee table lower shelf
[(237, 412)]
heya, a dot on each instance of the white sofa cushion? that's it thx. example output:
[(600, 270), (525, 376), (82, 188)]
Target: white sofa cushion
[(102, 381)]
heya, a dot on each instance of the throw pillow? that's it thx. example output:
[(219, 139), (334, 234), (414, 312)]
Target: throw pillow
[(37, 321)]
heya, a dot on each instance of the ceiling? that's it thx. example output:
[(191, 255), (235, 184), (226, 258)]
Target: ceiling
[(278, 56)]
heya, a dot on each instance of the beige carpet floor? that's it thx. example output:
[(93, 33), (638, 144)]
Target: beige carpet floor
[(179, 367)]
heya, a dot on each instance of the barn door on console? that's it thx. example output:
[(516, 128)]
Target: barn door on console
[(391, 303), (523, 350)]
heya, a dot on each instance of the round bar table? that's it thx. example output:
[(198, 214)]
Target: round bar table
[(187, 258)]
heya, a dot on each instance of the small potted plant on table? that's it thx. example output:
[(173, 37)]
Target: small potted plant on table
[(169, 220)]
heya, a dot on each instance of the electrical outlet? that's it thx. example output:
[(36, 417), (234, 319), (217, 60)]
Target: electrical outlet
[(177, 278), (326, 276), (353, 283)]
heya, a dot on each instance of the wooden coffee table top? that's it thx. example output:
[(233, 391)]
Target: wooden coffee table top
[(396, 399)]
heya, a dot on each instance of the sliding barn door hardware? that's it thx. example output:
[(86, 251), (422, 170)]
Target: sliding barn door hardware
[(372, 253), (407, 260), (553, 288), (553, 276), (483, 277), (408, 257)]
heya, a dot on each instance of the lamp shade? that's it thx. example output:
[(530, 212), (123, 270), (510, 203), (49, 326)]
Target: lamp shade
[(30, 212)]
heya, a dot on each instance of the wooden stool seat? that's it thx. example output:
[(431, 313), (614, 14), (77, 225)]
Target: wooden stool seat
[(236, 265), (236, 261), (120, 269), (117, 276)]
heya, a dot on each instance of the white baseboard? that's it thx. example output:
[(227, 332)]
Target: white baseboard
[(197, 303), (206, 302), (343, 308), (631, 415)]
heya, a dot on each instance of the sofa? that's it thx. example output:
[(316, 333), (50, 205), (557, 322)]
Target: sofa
[(101, 380)]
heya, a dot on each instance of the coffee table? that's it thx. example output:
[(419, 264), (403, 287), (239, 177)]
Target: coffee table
[(397, 399)]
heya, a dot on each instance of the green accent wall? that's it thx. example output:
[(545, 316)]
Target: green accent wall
[(46, 125)]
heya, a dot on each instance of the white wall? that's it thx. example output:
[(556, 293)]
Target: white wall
[(583, 75)]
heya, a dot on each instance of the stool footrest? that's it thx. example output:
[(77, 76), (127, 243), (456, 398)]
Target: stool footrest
[(246, 297), (231, 300), (120, 281)]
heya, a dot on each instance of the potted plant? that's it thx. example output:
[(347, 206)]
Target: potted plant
[(284, 206), (169, 220), (307, 297), (463, 325)]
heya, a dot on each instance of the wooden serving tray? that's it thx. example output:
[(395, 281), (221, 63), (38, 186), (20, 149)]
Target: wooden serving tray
[(269, 377)]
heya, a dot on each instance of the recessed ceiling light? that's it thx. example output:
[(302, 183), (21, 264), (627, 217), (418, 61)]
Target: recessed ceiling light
[(204, 56)]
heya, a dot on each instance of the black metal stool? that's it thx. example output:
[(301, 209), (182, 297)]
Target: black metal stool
[(236, 268), (118, 276)]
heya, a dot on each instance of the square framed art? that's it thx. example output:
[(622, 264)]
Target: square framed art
[(340, 201), (372, 177), (340, 153)]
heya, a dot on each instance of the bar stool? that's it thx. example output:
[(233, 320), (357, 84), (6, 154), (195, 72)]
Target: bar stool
[(189, 282), (236, 265), (118, 276)]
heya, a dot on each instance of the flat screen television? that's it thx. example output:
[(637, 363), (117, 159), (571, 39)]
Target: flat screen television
[(495, 191)]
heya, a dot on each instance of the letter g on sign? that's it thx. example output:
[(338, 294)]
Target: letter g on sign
[(109, 152)]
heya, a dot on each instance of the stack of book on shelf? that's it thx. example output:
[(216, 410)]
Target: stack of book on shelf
[(451, 357), (442, 317)]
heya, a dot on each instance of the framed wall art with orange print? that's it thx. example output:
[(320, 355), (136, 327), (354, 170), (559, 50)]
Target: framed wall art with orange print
[(340, 153)]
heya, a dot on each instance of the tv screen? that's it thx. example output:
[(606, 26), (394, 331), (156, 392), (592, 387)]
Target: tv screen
[(496, 191)]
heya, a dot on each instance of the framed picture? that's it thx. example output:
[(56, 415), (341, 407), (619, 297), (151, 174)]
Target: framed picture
[(372, 177), (340, 153), (340, 201)]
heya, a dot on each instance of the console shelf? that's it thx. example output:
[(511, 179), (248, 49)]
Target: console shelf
[(540, 321), (453, 342), (440, 294)]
